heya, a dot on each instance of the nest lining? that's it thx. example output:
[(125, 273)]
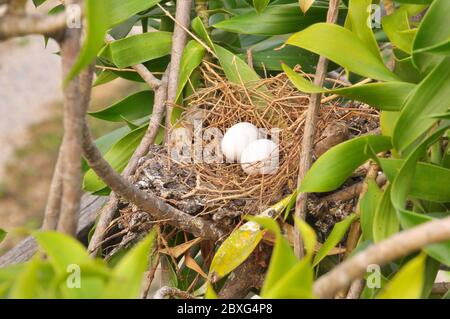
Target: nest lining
[(222, 191)]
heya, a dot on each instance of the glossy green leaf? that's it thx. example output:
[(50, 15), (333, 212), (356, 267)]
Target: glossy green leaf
[(430, 97), (193, 54), (236, 70), (200, 29), (235, 249), (260, 5), (140, 48), (104, 77), (118, 157), (276, 19), (308, 235), (283, 258), (297, 283), (368, 206), (434, 30), (334, 238), (388, 96), (408, 282), (120, 10), (385, 220), (332, 169), (431, 182), (62, 250), (129, 272), (134, 106), (342, 47), (97, 17), (358, 17), (439, 251), (3, 234)]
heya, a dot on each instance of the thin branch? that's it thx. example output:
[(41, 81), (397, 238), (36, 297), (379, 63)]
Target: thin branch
[(152, 81), (440, 288), (53, 208), (148, 202), (16, 26), (400, 244), (71, 155), (179, 38), (306, 157)]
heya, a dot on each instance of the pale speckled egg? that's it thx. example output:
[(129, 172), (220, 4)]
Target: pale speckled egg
[(260, 157), (236, 138)]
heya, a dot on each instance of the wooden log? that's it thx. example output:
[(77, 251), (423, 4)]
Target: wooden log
[(90, 205)]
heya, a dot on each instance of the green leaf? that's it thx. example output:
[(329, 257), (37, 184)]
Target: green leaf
[(140, 48), (358, 17), (235, 249), (236, 70), (193, 54), (26, 286), (397, 28), (308, 235), (332, 169), (385, 220), (104, 77), (388, 96), (62, 250), (260, 5), (430, 97), (133, 107), (3, 234), (408, 282), (342, 47), (37, 3), (368, 206), (120, 10), (275, 19), (434, 31), (118, 157), (431, 182), (297, 283), (335, 237), (129, 272), (283, 258), (97, 17), (200, 30), (415, 1)]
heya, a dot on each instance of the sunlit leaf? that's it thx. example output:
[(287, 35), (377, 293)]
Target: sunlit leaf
[(193, 54), (129, 272), (342, 47), (408, 282), (368, 206), (334, 238), (134, 106), (385, 220), (388, 96), (260, 5), (332, 168)]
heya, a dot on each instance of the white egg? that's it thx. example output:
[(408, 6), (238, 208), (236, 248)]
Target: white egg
[(260, 157), (236, 138)]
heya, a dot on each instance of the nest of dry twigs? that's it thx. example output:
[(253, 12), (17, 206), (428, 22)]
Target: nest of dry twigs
[(224, 191)]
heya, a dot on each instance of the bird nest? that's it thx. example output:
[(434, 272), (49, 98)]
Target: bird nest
[(222, 191)]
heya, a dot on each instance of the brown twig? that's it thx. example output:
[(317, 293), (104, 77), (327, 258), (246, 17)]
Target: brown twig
[(148, 202), (16, 26), (71, 156), (306, 157), (400, 244), (53, 207), (440, 288), (179, 38)]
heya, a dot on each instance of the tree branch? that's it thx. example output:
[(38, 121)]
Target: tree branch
[(16, 26), (400, 244), (306, 156), (182, 16), (150, 203), (110, 209)]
